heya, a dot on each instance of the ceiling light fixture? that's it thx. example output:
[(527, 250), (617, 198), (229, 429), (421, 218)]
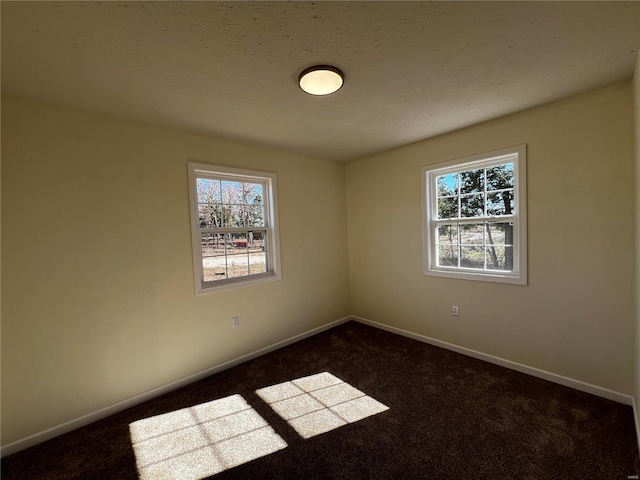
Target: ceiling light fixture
[(321, 80)]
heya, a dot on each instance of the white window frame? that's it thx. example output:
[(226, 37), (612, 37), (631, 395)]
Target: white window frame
[(269, 182), (518, 276)]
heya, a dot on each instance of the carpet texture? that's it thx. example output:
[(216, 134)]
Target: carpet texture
[(449, 417)]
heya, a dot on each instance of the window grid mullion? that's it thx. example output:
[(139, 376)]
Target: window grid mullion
[(512, 159), (459, 245), (458, 181), (224, 230), (458, 240), (484, 209), (248, 259), (484, 242), (484, 224), (226, 259), (242, 186), (466, 220)]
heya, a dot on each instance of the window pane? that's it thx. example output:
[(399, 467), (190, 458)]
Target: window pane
[(231, 192), (448, 207), (233, 255), (448, 256), (499, 234), (205, 213), (472, 181), (472, 234), (500, 176), (447, 185), (472, 205), (227, 216), (500, 203), (237, 260), (209, 216), (212, 244), (214, 268), (237, 265), (253, 194), (508, 258), (255, 242), (500, 258), (447, 234), (236, 243), (254, 216), (233, 216), (472, 257), (237, 215), (257, 263), (208, 190), (213, 257)]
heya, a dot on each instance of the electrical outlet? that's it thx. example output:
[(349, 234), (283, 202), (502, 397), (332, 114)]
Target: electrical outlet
[(455, 311), (235, 321)]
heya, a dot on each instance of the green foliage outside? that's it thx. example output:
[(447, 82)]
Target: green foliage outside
[(475, 194)]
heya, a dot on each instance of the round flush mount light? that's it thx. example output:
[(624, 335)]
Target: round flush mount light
[(321, 80)]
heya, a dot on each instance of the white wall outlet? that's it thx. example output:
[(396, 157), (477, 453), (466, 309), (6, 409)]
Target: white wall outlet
[(455, 311), (235, 321)]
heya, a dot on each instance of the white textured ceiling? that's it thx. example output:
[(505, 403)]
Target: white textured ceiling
[(412, 69)]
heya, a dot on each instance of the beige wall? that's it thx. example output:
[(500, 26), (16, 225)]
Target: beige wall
[(97, 273), (575, 317), (97, 277)]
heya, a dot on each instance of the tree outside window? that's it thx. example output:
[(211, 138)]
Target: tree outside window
[(475, 218)]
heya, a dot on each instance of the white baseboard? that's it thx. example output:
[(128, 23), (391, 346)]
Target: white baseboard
[(156, 392), (53, 432), (519, 367)]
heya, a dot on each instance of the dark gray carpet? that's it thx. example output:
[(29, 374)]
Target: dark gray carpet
[(449, 417)]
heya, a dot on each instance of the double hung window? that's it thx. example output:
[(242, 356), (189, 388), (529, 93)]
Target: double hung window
[(475, 217), (233, 225)]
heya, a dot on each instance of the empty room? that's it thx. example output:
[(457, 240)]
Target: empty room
[(393, 240)]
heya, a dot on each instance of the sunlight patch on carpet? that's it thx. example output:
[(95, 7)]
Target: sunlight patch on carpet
[(319, 403), (203, 440)]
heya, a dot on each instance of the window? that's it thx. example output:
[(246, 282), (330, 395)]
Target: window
[(233, 226), (475, 217)]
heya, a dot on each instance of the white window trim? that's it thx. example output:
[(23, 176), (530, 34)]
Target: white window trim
[(198, 170), (429, 205)]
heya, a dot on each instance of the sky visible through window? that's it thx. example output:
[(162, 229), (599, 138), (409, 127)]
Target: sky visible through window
[(481, 194), (476, 193)]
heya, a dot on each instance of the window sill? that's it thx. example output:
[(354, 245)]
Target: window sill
[(220, 285), (513, 279)]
